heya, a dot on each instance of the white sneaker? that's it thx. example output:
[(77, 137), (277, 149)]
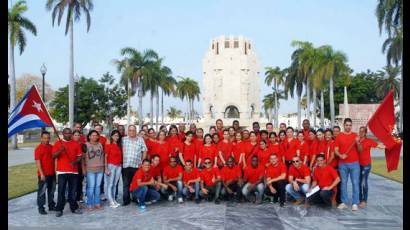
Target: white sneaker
[(342, 206), (355, 207), (148, 202), (180, 200), (113, 205), (117, 204), (170, 198)]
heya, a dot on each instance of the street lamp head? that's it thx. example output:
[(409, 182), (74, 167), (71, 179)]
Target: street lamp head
[(43, 69)]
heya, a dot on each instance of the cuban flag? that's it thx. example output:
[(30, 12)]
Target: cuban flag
[(29, 113)]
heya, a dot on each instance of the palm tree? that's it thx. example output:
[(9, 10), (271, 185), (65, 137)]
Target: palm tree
[(346, 82), (167, 85), (139, 64), (150, 82), (277, 76), (269, 101), (74, 10), (16, 23), (294, 82), (388, 80), (174, 113), (188, 88)]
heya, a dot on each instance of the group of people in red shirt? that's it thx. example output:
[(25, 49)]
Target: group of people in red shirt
[(229, 163)]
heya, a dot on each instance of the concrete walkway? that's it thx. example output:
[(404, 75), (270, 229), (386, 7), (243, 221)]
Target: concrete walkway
[(20, 156), (385, 211)]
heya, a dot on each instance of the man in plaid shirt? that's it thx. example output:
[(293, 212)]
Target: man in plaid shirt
[(134, 151)]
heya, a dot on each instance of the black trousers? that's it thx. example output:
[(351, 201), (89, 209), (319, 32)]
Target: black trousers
[(64, 180), (338, 199), (47, 186), (280, 191), (127, 175), (102, 184), (79, 192), (321, 197)]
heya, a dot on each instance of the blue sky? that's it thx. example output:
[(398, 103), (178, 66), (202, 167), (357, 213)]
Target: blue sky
[(181, 31)]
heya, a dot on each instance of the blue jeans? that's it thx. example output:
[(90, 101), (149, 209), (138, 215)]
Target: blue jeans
[(259, 188), (364, 176), (297, 194), (352, 169), (169, 191), (93, 188), (144, 193), (186, 193), (112, 180)]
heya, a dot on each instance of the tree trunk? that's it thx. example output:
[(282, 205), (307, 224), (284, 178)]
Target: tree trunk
[(12, 91), (162, 107), (189, 111), (157, 112), (401, 103), (71, 78), (276, 105), (322, 110), (314, 107), (193, 110), (346, 103), (308, 99), (151, 113), (299, 111), (332, 103), (129, 103), (140, 112)]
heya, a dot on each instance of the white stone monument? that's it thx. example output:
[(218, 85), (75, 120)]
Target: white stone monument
[(231, 82)]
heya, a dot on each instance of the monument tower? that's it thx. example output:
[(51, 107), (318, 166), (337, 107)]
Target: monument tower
[(231, 81)]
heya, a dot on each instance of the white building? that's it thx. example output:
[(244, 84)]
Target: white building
[(231, 82), (291, 119)]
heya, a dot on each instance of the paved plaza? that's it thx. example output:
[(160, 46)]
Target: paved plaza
[(385, 211)]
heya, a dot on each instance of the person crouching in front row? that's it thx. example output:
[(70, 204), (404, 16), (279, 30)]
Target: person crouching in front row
[(172, 176), (191, 180), (299, 180), (275, 180), (231, 176), (210, 181)]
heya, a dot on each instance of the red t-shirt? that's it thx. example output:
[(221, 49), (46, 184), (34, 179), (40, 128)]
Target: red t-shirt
[(330, 147), (171, 172), (306, 135), (143, 176), (252, 175), (44, 154), (207, 152), (189, 152), (303, 149), (83, 139), (250, 150), (220, 134), (155, 171), (181, 136), (233, 173), (207, 175), (324, 175), (150, 146), (367, 144), (175, 145), (72, 151), (237, 149), (289, 148), (198, 144), (114, 154), (300, 173), (345, 142), (263, 156), (163, 151), (312, 149), (275, 171), (275, 148), (226, 149), (187, 176), (321, 147), (102, 140)]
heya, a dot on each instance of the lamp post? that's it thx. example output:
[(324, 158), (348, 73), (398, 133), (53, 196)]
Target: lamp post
[(76, 79), (43, 70)]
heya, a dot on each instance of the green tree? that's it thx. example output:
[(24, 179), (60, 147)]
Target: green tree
[(388, 80), (17, 23), (269, 101), (74, 8), (174, 113), (168, 87), (277, 76), (189, 89), (294, 82)]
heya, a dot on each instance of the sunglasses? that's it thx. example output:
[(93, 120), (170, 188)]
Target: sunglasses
[(173, 161), (297, 161), (207, 163)]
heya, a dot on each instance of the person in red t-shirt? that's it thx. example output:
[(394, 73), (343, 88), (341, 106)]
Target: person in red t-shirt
[(303, 147), (269, 128), (79, 128), (250, 148), (306, 130), (253, 179), (45, 172), (365, 161), (161, 148), (172, 176), (289, 146), (245, 135), (330, 149), (155, 171), (208, 150), (237, 151), (282, 126), (231, 176), (264, 136), (142, 186), (326, 178), (215, 139), (312, 149), (275, 176), (174, 143), (198, 139), (263, 154), (224, 149), (113, 159), (191, 180), (188, 151), (219, 128), (274, 146), (299, 180), (181, 134), (232, 132), (121, 129), (210, 181), (347, 148), (68, 154), (150, 142), (336, 131)]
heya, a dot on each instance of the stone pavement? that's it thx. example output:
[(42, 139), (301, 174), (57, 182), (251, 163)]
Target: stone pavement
[(385, 211), (20, 156)]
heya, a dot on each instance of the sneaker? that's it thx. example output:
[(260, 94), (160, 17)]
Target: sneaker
[(148, 202), (141, 208), (154, 201), (197, 201), (42, 211), (113, 205), (77, 211), (217, 201), (52, 208), (170, 198), (59, 213), (126, 203), (362, 204), (282, 204), (89, 209), (98, 207), (299, 201), (102, 197), (342, 206), (180, 200), (355, 207), (116, 203)]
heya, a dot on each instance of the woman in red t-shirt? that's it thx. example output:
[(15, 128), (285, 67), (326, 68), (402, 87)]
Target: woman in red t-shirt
[(162, 148), (207, 150), (312, 149), (188, 150), (237, 149), (224, 148), (330, 149), (173, 140), (303, 148), (251, 147), (231, 132), (321, 145), (113, 157)]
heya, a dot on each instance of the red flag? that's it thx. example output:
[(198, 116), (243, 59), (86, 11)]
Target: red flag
[(382, 124)]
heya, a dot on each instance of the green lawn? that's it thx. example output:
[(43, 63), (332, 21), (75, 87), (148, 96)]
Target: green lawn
[(379, 168), (22, 179)]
